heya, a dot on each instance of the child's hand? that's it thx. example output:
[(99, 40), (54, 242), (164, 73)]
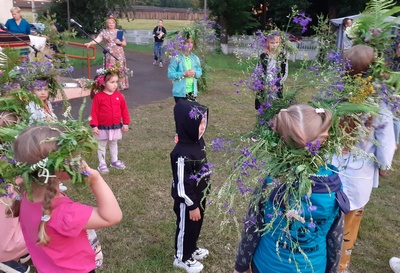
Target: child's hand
[(125, 128), (383, 172), (95, 130), (195, 215)]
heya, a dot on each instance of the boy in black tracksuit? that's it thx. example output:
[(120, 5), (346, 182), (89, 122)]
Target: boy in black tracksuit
[(190, 183)]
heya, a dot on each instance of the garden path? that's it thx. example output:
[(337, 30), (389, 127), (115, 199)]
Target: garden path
[(148, 84)]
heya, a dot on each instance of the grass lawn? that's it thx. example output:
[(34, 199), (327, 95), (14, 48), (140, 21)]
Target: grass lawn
[(150, 24), (143, 241)]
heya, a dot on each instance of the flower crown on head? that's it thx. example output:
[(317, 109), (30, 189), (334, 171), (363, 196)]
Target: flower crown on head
[(40, 74), (75, 142), (101, 73)]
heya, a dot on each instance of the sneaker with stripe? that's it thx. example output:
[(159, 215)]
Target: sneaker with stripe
[(14, 267), (190, 265), (200, 253)]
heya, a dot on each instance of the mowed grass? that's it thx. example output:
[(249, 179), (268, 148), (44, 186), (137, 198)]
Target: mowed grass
[(150, 24), (144, 241)]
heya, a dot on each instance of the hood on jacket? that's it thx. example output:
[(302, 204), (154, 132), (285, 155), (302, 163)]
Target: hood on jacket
[(188, 115)]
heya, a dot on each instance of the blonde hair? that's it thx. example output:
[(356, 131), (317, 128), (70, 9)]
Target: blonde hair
[(31, 146), (302, 124), (15, 9), (360, 58), (8, 118)]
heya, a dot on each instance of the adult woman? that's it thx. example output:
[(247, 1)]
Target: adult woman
[(17, 24), (115, 47)]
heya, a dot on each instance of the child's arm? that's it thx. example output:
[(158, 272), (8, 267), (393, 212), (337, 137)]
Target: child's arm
[(94, 116), (126, 119), (107, 213), (384, 134), (251, 234), (174, 72), (334, 240), (197, 67)]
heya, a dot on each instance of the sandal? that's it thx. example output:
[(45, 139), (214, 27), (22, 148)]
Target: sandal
[(118, 165), (102, 168)]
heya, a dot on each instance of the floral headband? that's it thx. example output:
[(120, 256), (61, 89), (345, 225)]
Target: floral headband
[(101, 73), (74, 143)]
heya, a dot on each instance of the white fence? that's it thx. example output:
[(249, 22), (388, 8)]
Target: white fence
[(306, 47)]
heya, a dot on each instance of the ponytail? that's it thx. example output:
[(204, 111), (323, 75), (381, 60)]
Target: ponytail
[(51, 191)]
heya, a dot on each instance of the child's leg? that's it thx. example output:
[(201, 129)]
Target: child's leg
[(352, 222), (186, 232), (101, 152), (113, 144)]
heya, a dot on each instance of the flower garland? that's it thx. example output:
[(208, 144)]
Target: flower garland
[(99, 83), (75, 142)]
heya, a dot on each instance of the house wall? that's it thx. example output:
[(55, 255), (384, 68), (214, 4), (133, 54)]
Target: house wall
[(5, 14)]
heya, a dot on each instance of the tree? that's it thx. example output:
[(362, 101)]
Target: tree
[(91, 14), (234, 16)]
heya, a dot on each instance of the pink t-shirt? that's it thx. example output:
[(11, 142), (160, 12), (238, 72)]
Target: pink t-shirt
[(69, 250), (12, 245)]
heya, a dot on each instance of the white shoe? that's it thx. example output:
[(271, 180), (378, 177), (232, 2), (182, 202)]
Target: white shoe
[(394, 263), (62, 188), (191, 265), (154, 62), (160, 64), (200, 253)]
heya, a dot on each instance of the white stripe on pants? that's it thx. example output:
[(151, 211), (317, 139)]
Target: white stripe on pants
[(101, 152)]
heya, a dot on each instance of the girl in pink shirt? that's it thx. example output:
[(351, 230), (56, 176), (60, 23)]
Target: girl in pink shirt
[(54, 226)]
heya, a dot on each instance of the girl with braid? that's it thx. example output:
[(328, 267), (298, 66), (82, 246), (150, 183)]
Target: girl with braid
[(54, 226)]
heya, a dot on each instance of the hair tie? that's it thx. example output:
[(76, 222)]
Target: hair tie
[(283, 110), (319, 110), (18, 197), (45, 218)]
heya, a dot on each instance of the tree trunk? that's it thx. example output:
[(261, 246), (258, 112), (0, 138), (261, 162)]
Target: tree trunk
[(333, 7), (224, 35)]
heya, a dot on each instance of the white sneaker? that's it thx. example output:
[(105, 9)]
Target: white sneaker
[(191, 265), (154, 62), (200, 253), (394, 263), (160, 64), (62, 188)]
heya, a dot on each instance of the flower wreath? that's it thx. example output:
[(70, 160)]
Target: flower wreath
[(99, 82), (75, 142), (32, 75)]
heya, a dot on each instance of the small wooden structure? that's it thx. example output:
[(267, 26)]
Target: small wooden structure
[(9, 41), (147, 12)]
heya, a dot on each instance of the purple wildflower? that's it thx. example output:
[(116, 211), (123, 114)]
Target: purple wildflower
[(303, 21)]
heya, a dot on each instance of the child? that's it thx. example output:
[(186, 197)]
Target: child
[(159, 33), (275, 70), (360, 174), (54, 226), (300, 244), (109, 117), (190, 183), (41, 113), (184, 70), (12, 246)]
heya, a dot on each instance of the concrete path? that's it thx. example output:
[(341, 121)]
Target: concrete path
[(148, 84)]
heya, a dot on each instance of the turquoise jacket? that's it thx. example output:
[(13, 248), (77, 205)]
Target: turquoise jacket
[(175, 73)]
